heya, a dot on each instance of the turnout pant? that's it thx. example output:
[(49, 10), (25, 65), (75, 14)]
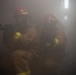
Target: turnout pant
[(26, 63)]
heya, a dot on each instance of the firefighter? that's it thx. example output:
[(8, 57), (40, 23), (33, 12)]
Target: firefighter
[(53, 43), (22, 41)]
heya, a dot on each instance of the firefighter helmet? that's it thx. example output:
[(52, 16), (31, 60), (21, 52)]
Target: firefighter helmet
[(22, 12)]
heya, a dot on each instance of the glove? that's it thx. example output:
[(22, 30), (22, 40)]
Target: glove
[(56, 41), (17, 35)]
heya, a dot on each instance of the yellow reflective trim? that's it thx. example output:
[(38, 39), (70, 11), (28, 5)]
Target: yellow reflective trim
[(17, 35), (25, 73), (22, 74), (24, 13)]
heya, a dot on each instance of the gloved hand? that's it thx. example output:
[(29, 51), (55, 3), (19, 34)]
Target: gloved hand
[(17, 36), (56, 42)]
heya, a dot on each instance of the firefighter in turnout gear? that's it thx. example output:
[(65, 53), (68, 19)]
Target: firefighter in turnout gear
[(53, 43), (22, 41), (26, 42)]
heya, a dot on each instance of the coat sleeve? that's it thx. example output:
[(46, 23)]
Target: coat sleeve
[(62, 43), (61, 34), (29, 37)]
